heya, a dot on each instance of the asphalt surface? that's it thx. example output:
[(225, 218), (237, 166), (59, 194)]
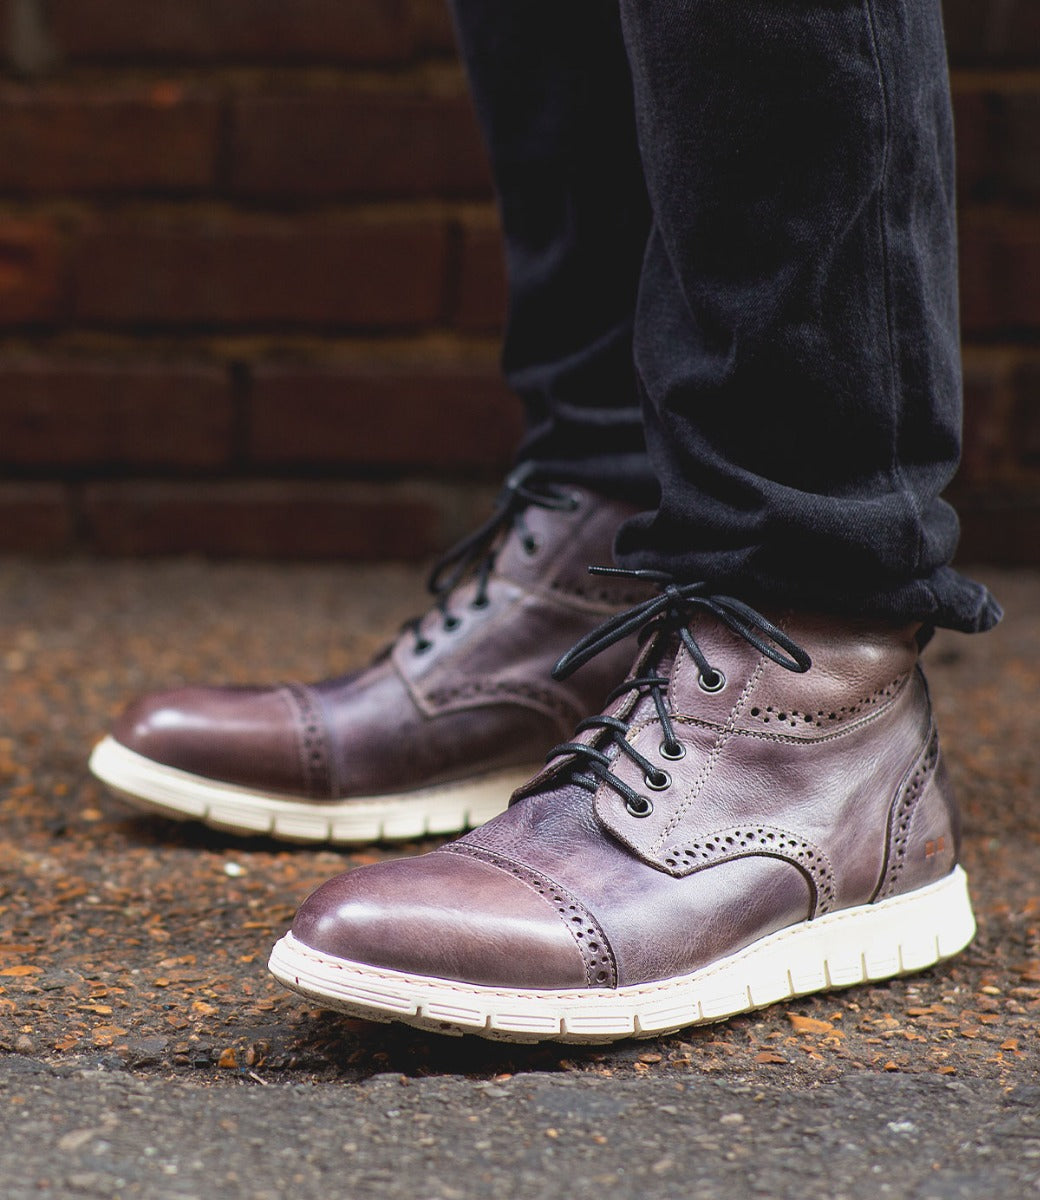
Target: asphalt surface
[(111, 1134), (145, 1052)]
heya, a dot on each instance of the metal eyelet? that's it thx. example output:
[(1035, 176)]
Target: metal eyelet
[(451, 623), (658, 781), (713, 682), (639, 806), (672, 753)]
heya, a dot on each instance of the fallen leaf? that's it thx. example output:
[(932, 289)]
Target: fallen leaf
[(809, 1024), (105, 1035)]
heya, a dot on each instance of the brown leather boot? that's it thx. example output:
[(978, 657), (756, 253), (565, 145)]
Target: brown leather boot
[(762, 812), (436, 733)]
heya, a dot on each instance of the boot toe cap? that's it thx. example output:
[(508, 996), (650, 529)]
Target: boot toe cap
[(443, 916), (247, 737)]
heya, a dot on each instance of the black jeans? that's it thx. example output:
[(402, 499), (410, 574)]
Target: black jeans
[(730, 232)]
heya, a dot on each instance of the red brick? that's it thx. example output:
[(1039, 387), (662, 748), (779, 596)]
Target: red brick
[(1004, 531), (1000, 272), (32, 272), (163, 137), (35, 518), (349, 31), (973, 118), (999, 32), (481, 296), (1016, 141), (361, 271), (1024, 435), (328, 144), (986, 446), (104, 415), (418, 415), (433, 27), (966, 22), (281, 519), (998, 140)]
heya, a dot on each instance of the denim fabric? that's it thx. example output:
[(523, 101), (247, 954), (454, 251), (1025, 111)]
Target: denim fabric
[(788, 299)]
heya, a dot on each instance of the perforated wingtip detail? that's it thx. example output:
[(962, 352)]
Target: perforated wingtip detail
[(778, 715), (749, 840)]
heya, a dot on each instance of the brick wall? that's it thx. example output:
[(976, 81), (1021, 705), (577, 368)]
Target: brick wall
[(250, 280)]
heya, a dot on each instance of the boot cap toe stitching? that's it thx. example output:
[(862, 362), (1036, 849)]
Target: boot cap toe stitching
[(592, 943), (315, 761)]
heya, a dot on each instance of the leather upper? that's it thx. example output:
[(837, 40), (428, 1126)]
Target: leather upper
[(797, 795), (478, 923), (453, 699)]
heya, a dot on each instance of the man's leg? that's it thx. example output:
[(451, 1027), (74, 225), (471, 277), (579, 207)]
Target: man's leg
[(553, 93), (762, 810), (797, 336)]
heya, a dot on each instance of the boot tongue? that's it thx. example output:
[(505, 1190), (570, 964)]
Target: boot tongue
[(658, 659)]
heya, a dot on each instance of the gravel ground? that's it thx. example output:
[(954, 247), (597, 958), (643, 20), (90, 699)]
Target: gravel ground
[(144, 1051)]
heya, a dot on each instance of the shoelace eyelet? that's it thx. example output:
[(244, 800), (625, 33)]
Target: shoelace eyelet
[(713, 682), (451, 624), (423, 646), (639, 806), (659, 619), (658, 781), (531, 546), (483, 602)]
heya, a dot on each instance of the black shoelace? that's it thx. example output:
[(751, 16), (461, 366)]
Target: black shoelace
[(476, 553), (659, 618)]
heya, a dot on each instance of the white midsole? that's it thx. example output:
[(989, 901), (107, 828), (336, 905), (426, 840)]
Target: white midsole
[(445, 808), (874, 941)]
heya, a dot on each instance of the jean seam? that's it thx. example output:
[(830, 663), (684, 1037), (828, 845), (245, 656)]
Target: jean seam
[(896, 468)]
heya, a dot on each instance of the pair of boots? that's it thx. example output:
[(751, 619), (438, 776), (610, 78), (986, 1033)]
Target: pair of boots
[(759, 810)]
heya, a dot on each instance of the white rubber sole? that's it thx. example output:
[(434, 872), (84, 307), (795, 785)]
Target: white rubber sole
[(877, 941), (446, 808)]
